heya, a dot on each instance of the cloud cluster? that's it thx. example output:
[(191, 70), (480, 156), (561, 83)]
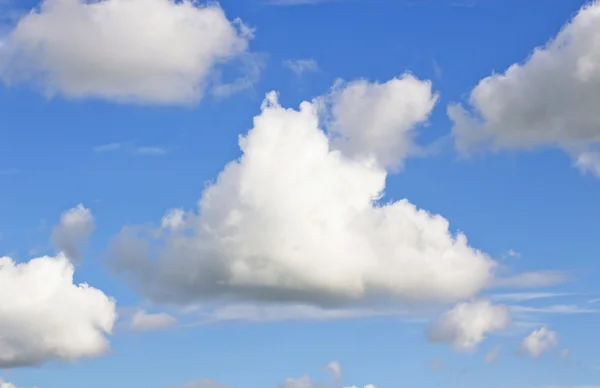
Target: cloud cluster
[(143, 51), (44, 316), (73, 230), (296, 220), (467, 324), (539, 342), (551, 99)]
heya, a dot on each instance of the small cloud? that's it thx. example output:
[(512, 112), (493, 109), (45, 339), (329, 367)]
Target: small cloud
[(301, 66), (437, 70), (335, 369), (539, 342), (142, 321), (467, 324), (72, 232), (203, 384), (150, 151), (492, 354), (107, 147)]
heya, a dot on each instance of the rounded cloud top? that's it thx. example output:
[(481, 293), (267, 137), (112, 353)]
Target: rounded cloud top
[(294, 219)]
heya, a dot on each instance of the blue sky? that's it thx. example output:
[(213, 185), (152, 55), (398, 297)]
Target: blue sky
[(299, 265)]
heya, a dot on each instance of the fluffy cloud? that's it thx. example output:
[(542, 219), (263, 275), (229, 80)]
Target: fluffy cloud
[(551, 99), (6, 384), (295, 220), (73, 230), (467, 324), (44, 316), (539, 342), (377, 120), (335, 369), (142, 321), (145, 51)]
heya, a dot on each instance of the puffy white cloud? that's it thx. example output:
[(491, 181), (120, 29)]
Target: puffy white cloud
[(377, 120), (335, 369), (73, 230), (143, 51), (295, 220), (142, 321), (6, 384), (467, 324), (551, 99), (44, 316), (539, 342)]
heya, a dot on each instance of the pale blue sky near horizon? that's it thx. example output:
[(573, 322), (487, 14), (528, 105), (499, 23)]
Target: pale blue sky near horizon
[(534, 202)]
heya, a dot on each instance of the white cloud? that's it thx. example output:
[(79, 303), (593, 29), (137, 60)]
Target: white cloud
[(142, 321), (366, 386), (492, 354), (335, 369), (589, 161), (301, 382), (44, 316), (73, 230), (301, 66), (521, 296), (539, 342), (293, 220), (377, 120), (6, 384), (143, 51), (204, 384), (467, 324), (551, 99), (554, 309)]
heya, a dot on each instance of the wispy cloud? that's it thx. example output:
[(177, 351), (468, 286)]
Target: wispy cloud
[(554, 309), (131, 148), (301, 66), (107, 147), (535, 279), (522, 296)]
